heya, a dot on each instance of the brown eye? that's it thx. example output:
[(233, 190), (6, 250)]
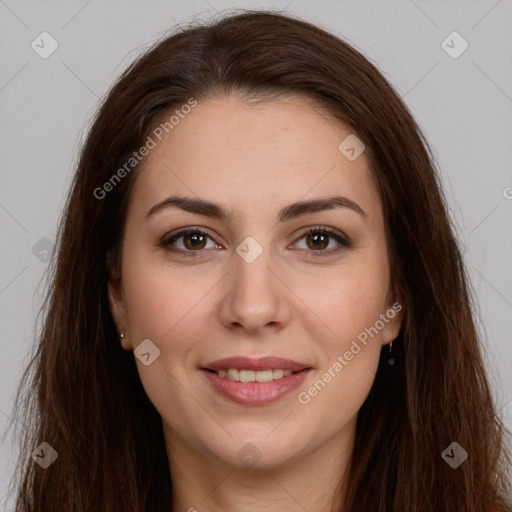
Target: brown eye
[(192, 241), (318, 238)]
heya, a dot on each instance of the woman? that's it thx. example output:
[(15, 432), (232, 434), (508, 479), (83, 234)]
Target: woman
[(257, 221)]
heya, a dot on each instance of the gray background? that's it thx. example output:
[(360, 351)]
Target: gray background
[(463, 105)]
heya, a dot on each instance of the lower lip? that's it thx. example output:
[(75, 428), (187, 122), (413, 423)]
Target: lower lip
[(256, 393)]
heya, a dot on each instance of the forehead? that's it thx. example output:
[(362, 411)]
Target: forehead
[(249, 155)]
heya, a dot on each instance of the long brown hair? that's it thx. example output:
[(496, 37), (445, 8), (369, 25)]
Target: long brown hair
[(81, 392)]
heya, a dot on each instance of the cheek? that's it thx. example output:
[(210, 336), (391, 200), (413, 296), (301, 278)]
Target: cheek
[(161, 305), (350, 301), (152, 307), (160, 298), (349, 358), (334, 398)]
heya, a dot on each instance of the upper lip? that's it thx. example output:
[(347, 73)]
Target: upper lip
[(262, 363)]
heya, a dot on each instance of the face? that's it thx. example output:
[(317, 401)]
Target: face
[(255, 284)]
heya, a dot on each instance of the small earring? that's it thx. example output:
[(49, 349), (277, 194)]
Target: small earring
[(391, 360)]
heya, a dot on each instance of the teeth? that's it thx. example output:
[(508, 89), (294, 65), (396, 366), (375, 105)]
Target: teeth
[(263, 376), (254, 376), (247, 375), (233, 374), (277, 374)]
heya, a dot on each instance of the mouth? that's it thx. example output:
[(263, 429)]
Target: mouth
[(255, 381)]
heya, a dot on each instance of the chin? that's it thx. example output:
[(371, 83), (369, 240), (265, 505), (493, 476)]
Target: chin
[(257, 453)]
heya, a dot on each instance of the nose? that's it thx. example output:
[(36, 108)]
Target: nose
[(255, 299)]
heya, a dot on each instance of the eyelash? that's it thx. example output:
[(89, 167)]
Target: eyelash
[(343, 240)]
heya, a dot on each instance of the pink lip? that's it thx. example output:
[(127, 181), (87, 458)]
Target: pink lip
[(255, 393), (262, 363)]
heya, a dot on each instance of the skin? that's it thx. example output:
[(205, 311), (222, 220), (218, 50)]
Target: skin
[(255, 160)]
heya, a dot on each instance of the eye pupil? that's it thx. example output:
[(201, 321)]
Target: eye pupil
[(316, 237), (194, 237)]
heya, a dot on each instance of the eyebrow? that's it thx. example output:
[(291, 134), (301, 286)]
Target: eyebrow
[(218, 211)]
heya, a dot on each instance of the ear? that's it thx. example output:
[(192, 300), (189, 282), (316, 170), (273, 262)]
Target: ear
[(393, 315), (117, 309)]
